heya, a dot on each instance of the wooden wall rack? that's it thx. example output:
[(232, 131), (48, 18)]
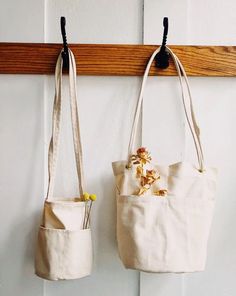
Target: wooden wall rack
[(115, 59)]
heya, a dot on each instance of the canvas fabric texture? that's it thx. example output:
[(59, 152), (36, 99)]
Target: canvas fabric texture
[(64, 245), (165, 233)]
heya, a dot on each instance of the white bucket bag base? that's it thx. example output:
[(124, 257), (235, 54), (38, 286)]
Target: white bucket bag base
[(164, 213), (64, 247), (74, 262)]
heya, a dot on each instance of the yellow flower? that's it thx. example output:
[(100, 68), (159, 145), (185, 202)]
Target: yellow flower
[(86, 196), (93, 197)]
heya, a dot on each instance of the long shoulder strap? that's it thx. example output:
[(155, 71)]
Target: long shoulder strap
[(189, 112), (56, 126), (75, 124), (187, 103)]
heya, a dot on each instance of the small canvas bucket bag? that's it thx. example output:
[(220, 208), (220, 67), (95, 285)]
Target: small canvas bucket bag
[(164, 213), (64, 246)]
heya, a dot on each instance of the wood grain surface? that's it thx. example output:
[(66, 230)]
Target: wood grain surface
[(115, 59)]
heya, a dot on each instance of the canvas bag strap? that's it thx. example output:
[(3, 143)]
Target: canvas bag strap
[(194, 121), (187, 103), (189, 110), (56, 125)]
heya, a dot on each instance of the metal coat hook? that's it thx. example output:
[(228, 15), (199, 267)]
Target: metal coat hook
[(65, 53), (162, 58)]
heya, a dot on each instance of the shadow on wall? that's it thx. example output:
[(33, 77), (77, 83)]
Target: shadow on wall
[(106, 221)]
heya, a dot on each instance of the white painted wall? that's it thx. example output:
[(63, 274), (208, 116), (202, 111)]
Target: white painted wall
[(106, 105), (21, 154)]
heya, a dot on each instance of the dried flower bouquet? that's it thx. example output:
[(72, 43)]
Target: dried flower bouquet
[(146, 177)]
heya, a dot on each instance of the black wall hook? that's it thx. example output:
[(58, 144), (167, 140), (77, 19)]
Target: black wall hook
[(65, 53), (162, 58)]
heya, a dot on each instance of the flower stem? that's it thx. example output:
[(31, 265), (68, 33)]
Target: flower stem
[(85, 214), (88, 215)]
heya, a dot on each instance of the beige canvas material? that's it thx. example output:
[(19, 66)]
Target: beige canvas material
[(64, 246), (170, 233)]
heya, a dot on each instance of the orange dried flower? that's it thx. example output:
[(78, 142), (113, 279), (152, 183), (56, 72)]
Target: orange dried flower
[(161, 192), (143, 189), (141, 150), (139, 171), (143, 156), (147, 177)]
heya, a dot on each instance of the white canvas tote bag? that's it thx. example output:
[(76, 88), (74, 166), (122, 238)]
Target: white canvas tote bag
[(164, 213), (64, 247)]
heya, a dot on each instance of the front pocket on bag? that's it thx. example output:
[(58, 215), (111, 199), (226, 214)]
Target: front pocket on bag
[(163, 233), (188, 223), (141, 230), (63, 254)]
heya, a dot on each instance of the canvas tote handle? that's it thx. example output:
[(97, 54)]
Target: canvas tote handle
[(187, 103), (56, 125)]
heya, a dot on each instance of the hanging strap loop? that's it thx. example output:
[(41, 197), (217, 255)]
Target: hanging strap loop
[(56, 126), (187, 104)]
